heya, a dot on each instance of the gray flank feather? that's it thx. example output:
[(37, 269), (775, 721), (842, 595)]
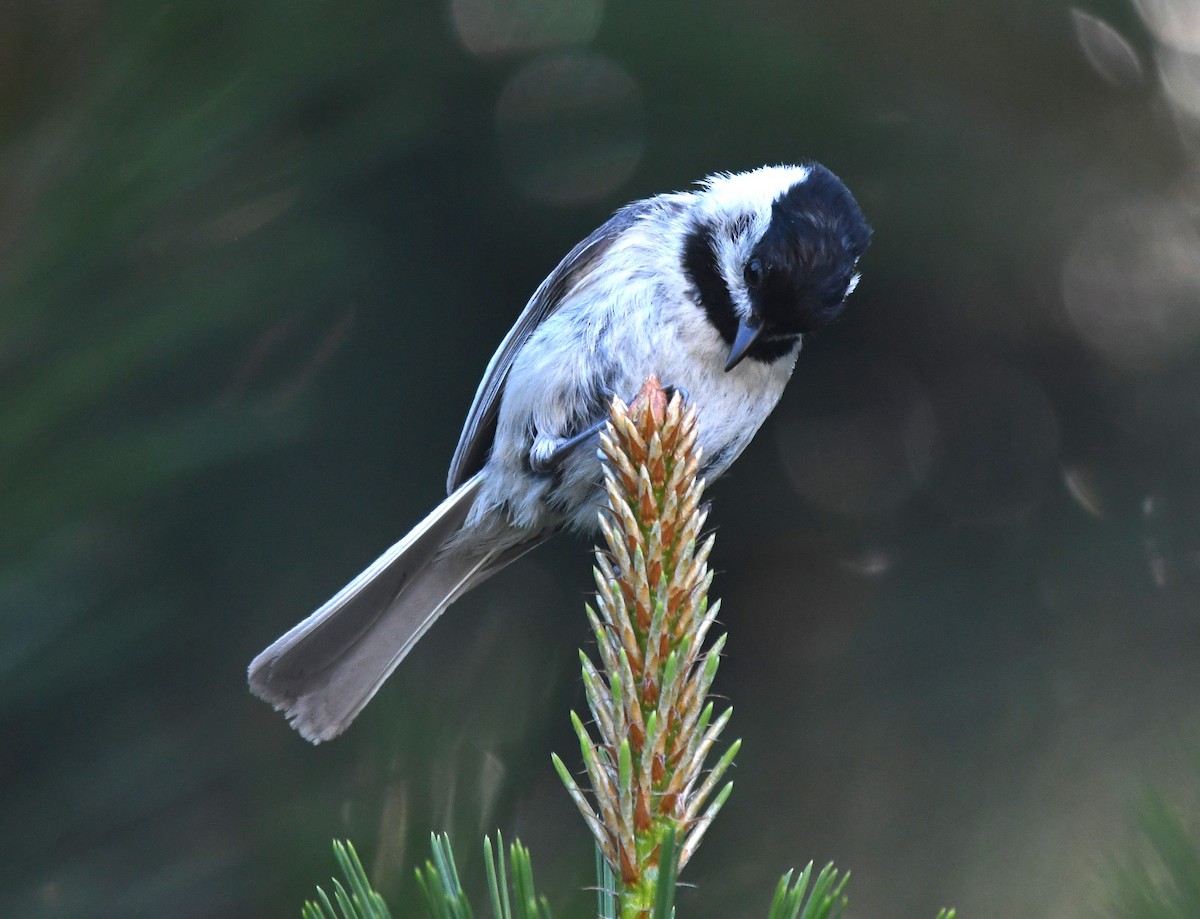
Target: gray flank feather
[(479, 429)]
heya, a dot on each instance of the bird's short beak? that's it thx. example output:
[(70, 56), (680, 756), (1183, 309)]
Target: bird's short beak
[(747, 331)]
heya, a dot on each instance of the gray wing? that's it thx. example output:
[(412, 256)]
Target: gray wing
[(480, 428)]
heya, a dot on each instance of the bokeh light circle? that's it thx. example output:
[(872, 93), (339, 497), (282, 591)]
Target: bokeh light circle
[(1179, 72), (1131, 283), (1173, 22), (570, 127), (998, 447), (489, 28), (860, 445)]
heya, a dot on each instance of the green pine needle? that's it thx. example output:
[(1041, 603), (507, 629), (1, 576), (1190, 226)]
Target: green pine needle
[(496, 878), (529, 904), (606, 887), (440, 887), (668, 871), (827, 900), (361, 901), (444, 896)]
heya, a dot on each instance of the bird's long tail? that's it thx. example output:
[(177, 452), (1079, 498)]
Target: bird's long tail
[(322, 672)]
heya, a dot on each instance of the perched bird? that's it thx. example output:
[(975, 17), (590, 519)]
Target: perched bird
[(711, 290)]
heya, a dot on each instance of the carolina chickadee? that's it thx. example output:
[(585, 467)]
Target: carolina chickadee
[(711, 290)]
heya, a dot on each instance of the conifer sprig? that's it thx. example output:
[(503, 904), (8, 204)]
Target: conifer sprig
[(653, 726)]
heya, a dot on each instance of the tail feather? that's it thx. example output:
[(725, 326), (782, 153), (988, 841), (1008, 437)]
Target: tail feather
[(323, 671)]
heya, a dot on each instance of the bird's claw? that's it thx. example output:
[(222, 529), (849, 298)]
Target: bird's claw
[(548, 453), (671, 391)]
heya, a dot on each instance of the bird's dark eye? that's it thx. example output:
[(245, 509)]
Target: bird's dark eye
[(754, 272)]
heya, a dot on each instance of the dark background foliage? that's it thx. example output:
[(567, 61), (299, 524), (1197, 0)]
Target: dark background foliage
[(253, 259)]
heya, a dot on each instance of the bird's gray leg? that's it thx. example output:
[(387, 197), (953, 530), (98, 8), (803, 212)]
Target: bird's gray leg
[(548, 453)]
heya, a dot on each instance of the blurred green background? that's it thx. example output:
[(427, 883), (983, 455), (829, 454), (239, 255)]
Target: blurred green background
[(253, 260)]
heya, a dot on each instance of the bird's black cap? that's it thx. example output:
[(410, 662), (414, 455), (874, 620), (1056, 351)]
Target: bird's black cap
[(807, 256)]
